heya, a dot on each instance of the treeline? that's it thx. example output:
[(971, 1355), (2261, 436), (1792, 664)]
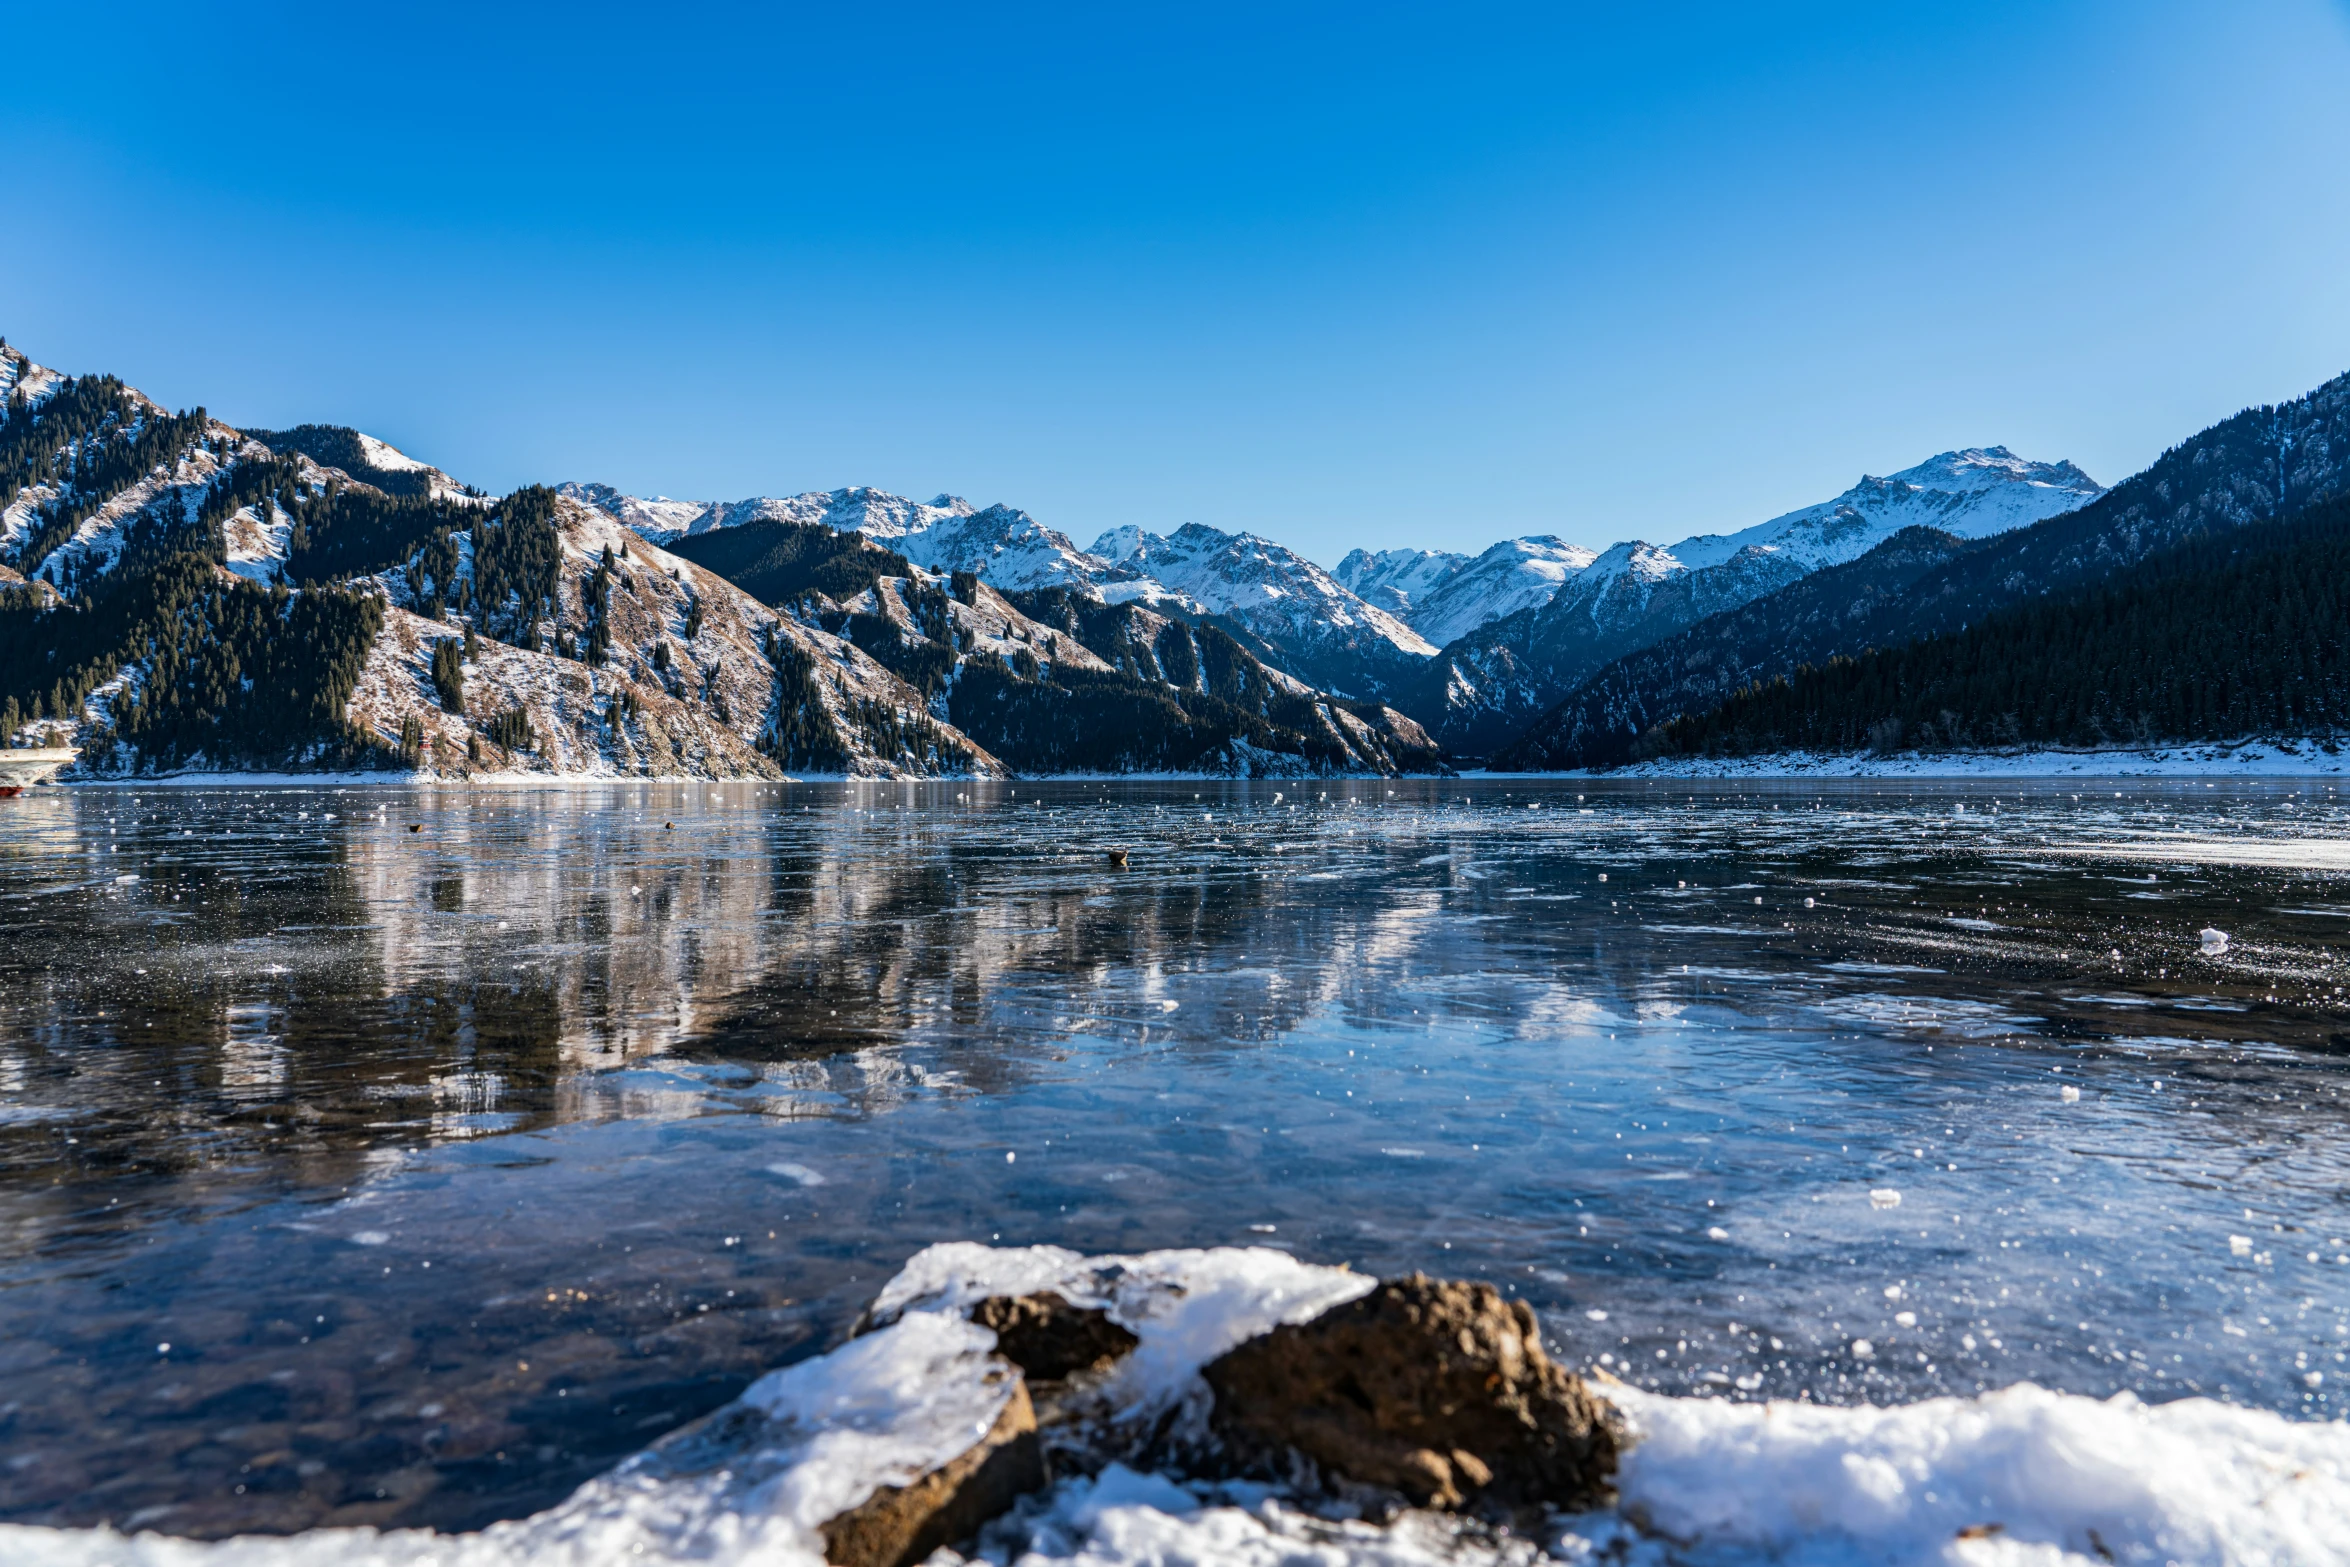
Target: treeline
[(783, 563), (231, 671), (2241, 633), (88, 439)]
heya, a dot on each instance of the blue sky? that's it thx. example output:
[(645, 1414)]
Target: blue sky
[(1343, 275)]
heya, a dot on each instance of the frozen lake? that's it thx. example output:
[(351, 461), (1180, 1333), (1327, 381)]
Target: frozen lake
[(408, 1157)]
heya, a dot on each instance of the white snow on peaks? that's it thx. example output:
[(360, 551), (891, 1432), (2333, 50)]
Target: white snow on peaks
[(384, 455), (1398, 580), (1513, 575), (875, 513), (1007, 548), (1973, 493), (1266, 586)]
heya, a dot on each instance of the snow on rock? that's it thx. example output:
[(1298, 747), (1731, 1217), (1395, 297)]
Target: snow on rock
[(1973, 493), (2021, 1477)]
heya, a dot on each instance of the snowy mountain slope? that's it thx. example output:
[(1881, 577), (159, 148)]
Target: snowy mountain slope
[(1325, 634), (360, 456), (688, 684), (1495, 678), (2265, 462), (1972, 493), (1005, 546), (858, 509), (1513, 575), (1485, 688), (22, 382), (1397, 580), (999, 544)]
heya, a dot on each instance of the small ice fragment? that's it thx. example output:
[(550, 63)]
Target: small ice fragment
[(163, 1349), (1011, 1157), (2314, 1378), (2240, 1245), (1404, 1153), (1884, 1197), (369, 1238), (2215, 942), (1907, 1319), (1717, 1233), (1810, 903), (121, 879), (1862, 1349), (1264, 1229), (1892, 1292), (796, 1172), (1596, 1315), (2069, 1094)]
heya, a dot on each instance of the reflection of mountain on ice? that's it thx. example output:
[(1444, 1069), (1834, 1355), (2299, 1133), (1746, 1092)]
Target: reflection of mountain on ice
[(2020, 1476)]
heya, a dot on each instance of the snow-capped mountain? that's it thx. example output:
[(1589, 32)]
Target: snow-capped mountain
[(1001, 545), (1972, 493), (1302, 619), (1492, 681), (181, 594), (358, 455), (1324, 633), (1513, 575), (1397, 581), (860, 509)]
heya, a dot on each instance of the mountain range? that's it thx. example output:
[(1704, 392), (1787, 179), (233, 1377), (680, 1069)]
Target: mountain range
[(154, 565)]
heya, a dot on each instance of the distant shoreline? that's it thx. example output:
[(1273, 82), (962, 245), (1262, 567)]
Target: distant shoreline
[(2260, 759)]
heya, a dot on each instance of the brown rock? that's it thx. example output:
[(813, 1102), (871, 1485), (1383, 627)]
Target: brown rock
[(1439, 1390), (1048, 1337), (898, 1526)]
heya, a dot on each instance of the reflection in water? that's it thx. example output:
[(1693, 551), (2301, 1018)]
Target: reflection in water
[(376, 1156)]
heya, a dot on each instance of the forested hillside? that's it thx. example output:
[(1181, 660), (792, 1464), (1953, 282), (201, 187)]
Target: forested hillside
[(175, 594), (2238, 635), (2264, 462)]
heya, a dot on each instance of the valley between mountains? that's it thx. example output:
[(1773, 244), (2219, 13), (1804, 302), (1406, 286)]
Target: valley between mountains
[(180, 595)]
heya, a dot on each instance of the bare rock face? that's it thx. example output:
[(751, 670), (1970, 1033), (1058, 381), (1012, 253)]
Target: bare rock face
[(898, 1526), (1439, 1390), (1049, 1338)]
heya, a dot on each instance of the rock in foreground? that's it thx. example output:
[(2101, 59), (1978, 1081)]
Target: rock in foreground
[(1049, 1338), (1439, 1390), (899, 1525)]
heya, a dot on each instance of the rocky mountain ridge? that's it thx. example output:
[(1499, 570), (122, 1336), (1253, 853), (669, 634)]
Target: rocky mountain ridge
[(183, 595), (1488, 684), (2262, 463)]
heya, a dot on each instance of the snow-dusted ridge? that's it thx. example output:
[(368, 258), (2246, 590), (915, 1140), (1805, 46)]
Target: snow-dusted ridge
[(1973, 492), (2021, 1477)]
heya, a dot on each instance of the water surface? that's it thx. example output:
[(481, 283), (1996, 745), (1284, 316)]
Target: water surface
[(372, 1155)]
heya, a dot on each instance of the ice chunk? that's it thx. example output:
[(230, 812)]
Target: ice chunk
[(2215, 942)]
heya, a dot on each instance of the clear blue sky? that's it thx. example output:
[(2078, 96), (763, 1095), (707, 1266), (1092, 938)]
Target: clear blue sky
[(1348, 275)]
